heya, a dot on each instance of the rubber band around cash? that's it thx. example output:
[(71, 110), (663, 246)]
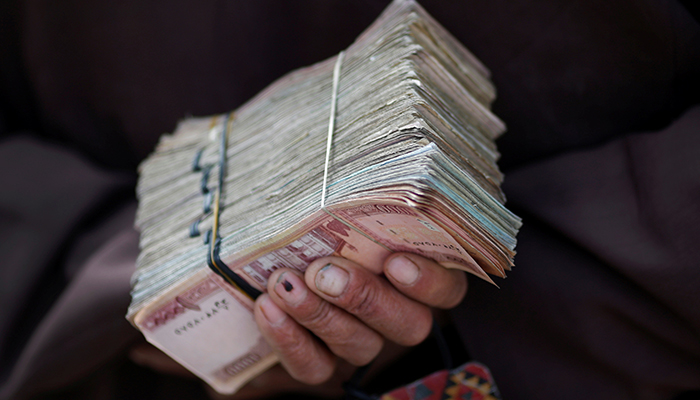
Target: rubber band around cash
[(213, 259), (329, 145), (212, 236), (352, 386)]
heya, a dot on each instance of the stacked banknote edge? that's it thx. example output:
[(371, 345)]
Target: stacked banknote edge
[(409, 164)]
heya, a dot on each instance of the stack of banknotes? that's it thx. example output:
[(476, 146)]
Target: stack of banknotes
[(387, 147)]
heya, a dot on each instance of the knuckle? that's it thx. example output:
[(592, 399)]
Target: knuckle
[(330, 327), (281, 336), (318, 316), (363, 302), (340, 334), (293, 346)]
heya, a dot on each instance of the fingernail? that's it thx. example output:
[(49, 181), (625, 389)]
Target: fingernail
[(290, 288), (273, 314), (403, 270), (332, 280)]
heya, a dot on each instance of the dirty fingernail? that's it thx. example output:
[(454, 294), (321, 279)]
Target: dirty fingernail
[(332, 280), (290, 288), (403, 270)]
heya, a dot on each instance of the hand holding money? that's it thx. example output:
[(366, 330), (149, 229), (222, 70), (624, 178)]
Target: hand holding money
[(397, 304), (351, 310), (387, 148)]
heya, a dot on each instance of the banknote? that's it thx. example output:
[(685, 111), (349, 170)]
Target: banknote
[(208, 326)]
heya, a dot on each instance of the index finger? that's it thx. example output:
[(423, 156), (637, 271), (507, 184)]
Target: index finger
[(370, 298)]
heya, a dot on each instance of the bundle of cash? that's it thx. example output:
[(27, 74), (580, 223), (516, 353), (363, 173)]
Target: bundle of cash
[(388, 147)]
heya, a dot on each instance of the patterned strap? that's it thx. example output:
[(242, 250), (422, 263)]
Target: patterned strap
[(471, 381)]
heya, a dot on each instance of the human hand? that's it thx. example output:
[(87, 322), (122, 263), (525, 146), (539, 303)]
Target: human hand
[(350, 328), (340, 310)]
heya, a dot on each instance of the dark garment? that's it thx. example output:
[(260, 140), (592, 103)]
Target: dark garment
[(68, 251), (603, 301), (604, 297)]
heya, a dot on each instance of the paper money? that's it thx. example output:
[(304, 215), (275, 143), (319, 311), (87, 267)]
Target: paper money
[(411, 167)]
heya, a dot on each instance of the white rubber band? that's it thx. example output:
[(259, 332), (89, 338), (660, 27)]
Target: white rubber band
[(331, 125)]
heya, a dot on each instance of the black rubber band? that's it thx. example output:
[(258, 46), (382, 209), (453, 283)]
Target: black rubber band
[(212, 236), (208, 200), (225, 272), (194, 229), (196, 167), (205, 179), (222, 157)]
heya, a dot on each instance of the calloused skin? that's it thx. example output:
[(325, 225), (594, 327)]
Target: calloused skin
[(339, 315)]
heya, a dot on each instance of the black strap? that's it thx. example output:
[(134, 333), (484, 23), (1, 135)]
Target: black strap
[(221, 269), (211, 238)]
